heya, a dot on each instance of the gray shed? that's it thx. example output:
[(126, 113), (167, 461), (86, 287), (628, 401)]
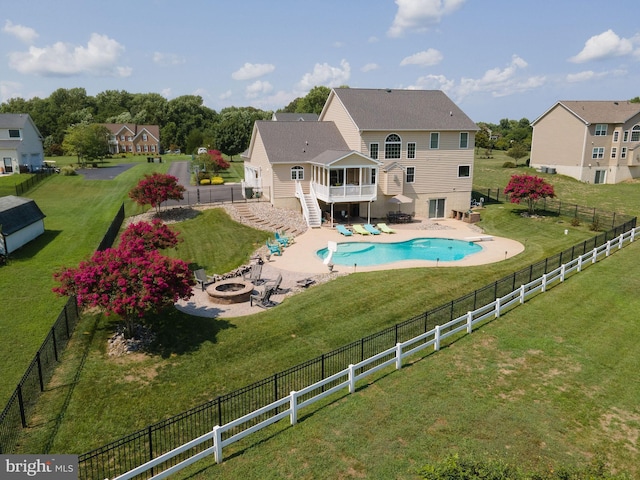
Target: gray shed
[(21, 220)]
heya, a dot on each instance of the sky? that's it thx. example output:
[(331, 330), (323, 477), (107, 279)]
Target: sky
[(495, 58)]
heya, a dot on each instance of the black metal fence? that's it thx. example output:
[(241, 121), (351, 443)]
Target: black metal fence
[(30, 182), (20, 406), (220, 194), (144, 445)]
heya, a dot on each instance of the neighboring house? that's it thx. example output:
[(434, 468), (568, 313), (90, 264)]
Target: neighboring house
[(367, 146), (591, 141), (21, 220), (133, 138), (294, 117), (20, 144)]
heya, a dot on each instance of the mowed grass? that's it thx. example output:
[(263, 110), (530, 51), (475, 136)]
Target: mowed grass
[(96, 399)]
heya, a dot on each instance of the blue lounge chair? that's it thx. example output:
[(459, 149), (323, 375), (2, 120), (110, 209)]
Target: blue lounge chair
[(282, 240), (274, 248), (343, 230), (371, 229)]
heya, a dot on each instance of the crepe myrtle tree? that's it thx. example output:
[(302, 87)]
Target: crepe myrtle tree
[(155, 235), (130, 281), (157, 188), (529, 188)]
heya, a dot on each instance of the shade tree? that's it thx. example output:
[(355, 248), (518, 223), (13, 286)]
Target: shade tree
[(156, 188)]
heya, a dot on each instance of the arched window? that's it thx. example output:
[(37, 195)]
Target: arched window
[(635, 133), (297, 173), (392, 146)]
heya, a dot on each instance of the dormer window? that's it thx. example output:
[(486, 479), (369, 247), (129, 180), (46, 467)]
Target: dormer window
[(601, 130), (14, 133), (392, 146)]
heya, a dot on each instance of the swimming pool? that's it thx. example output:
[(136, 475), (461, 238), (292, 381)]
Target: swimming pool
[(367, 254)]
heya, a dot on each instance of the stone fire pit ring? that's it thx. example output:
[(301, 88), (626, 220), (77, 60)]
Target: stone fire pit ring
[(233, 290)]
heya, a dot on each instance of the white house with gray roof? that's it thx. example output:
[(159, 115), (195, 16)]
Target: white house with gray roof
[(367, 146), (20, 144), (591, 141)]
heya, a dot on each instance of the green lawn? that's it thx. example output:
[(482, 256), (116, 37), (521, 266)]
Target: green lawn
[(95, 399)]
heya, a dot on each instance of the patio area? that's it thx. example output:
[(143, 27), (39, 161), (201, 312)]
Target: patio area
[(299, 261)]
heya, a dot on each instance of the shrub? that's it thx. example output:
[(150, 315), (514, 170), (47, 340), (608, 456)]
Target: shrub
[(508, 165), (205, 181), (217, 181), (575, 222), (68, 170)]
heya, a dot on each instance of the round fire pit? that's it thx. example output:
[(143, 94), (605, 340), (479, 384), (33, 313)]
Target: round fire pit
[(230, 291)]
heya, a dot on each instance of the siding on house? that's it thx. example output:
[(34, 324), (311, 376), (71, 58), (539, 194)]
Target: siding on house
[(25, 151)]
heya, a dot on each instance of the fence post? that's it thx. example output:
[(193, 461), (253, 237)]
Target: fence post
[(544, 283), (580, 263), (522, 292), (23, 417), (621, 241), (436, 345), (217, 444), (55, 345), (469, 322), (352, 376), (293, 407), (562, 269), (608, 249), (40, 371), (594, 259), (398, 356), (497, 308), (150, 447)]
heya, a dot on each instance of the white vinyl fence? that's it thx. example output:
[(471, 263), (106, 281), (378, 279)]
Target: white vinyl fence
[(290, 406)]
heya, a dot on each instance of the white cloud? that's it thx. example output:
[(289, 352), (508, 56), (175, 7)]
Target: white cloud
[(24, 34), (369, 67), (605, 45), (499, 82), (9, 90), (326, 75), (591, 75), (166, 92), (225, 95), (98, 58), (426, 58), (167, 59), (257, 88), (373, 39), (252, 70), (419, 15), (338, 44)]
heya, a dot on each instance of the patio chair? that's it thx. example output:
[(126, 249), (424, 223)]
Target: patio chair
[(254, 274), (274, 284), (385, 228), (282, 240), (371, 229), (202, 278), (359, 229), (343, 230), (263, 299), (274, 248)]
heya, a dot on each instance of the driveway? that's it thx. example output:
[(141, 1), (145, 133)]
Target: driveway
[(104, 173), (202, 193)]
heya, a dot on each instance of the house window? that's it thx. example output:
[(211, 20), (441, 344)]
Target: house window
[(130, 138), (464, 139), (373, 176), (146, 148), (138, 148), (436, 208), (392, 146), (625, 136), (616, 136), (144, 137), (600, 176), (614, 151), (464, 171), (411, 174), (411, 150), (623, 152), (635, 133), (435, 140), (601, 130), (153, 148), (297, 173), (14, 133), (373, 150), (122, 138), (130, 148), (597, 152)]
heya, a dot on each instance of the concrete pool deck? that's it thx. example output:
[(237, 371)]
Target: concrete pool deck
[(299, 261)]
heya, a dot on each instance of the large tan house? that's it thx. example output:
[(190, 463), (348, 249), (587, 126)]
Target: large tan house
[(591, 141), (134, 138), (367, 147)]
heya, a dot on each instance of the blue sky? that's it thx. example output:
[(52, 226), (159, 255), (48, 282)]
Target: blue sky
[(495, 58)]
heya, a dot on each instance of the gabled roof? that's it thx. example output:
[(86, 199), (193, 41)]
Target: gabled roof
[(396, 110), (135, 129), (295, 117), (330, 157), (598, 111), (295, 142), (17, 213), (17, 120)]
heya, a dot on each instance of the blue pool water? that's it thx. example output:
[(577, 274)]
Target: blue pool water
[(366, 254)]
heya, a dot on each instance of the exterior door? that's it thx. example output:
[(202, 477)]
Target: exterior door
[(600, 176), (8, 168), (436, 208)]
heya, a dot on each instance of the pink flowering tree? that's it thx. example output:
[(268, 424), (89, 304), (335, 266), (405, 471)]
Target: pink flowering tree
[(132, 280), (157, 188), (217, 161), (529, 188), (155, 235)]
